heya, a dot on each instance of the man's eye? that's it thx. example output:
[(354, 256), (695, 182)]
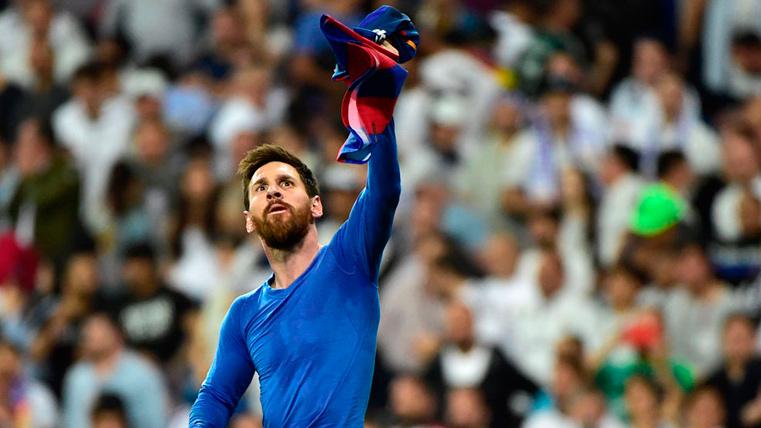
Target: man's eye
[(261, 188), (287, 183)]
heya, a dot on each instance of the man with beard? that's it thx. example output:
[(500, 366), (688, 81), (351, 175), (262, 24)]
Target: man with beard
[(310, 330)]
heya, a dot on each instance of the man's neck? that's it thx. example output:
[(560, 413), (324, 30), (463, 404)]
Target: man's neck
[(290, 264), (105, 365)]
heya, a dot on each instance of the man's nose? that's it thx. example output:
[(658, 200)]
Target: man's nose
[(274, 193)]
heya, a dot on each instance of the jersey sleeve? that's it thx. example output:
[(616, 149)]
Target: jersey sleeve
[(362, 238), (228, 378)]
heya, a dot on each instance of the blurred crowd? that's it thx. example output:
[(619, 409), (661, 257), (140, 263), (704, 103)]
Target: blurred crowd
[(578, 242)]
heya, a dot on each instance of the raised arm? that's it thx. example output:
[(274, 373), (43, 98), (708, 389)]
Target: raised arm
[(229, 376), (364, 235)]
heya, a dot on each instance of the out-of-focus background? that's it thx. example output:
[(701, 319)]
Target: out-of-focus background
[(578, 241)]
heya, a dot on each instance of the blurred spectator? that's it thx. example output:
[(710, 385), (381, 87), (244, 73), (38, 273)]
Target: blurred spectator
[(673, 124), (704, 409), (493, 162), (57, 319), (254, 105), (155, 319), (23, 401), (644, 404), (633, 344), (95, 127), (738, 379), (694, 312), (466, 409), (513, 26), (622, 187), (724, 69), (157, 29), (107, 365), (553, 405), (412, 316), (45, 206), (560, 137), (552, 311), (192, 229), (497, 386), (412, 404), (340, 187), (34, 22), (44, 95), (495, 300), (736, 209), (635, 96), (108, 412)]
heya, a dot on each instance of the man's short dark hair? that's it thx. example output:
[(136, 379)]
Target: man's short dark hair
[(140, 251), (668, 161), (91, 71), (626, 155), (267, 153), (109, 403)]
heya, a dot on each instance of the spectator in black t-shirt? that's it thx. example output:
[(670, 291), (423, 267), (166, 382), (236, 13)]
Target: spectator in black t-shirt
[(463, 363), (152, 317), (738, 380)]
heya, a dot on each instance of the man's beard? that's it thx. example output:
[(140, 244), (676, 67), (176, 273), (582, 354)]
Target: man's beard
[(280, 233)]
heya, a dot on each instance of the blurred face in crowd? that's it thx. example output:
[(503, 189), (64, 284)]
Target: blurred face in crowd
[(621, 289), (563, 65), (38, 14), (466, 409), (198, 181), (152, 142), (41, 59), (741, 162), (550, 275), (254, 84), (459, 324), (100, 339), (140, 276), (641, 400), (693, 269), (411, 402), (245, 421), (32, 153), (557, 105), (611, 168), (89, 91), (226, 28), (588, 408), (506, 116), (10, 366), (739, 339), (426, 216), (565, 12), (670, 91), (280, 209), (650, 61), (747, 56), (705, 409), (567, 379), (81, 276), (499, 256), (110, 419), (543, 228)]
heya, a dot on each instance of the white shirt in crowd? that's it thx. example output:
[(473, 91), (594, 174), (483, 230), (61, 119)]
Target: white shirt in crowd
[(96, 145), (613, 215), (66, 39)]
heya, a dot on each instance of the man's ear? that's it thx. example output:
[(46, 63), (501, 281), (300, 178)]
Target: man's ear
[(316, 207), (249, 222)]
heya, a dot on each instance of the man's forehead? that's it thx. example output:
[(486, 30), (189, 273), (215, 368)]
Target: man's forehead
[(274, 169)]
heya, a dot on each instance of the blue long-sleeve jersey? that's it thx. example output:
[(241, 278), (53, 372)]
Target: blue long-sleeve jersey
[(313, 343)]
